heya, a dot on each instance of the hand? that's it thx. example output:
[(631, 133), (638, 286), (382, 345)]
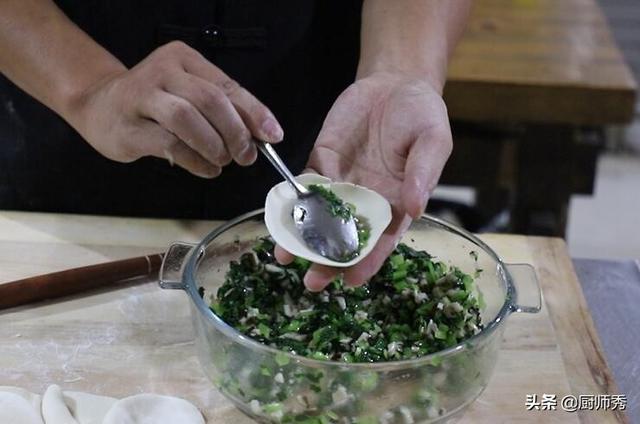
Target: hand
[(174, 105), (389, 133)]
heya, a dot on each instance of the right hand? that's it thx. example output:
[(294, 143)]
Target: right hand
[(175, 105)]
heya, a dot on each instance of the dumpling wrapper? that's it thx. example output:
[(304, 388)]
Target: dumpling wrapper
[(279, 221), (60, 407), (153, 409), (18, 406)]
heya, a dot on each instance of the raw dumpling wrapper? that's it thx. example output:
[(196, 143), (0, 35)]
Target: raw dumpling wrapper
[(153, 409), (18, 406), (60, 407), (279, 205)]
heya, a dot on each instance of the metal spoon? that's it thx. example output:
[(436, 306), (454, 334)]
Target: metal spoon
[(331, 236)]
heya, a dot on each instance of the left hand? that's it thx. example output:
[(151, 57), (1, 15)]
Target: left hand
[(390, 133)]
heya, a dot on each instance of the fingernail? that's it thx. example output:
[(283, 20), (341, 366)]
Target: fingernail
[(272, 130), (423, 209), (169, 156), (210, 173), (349, 283), (354, 283), (248, 154), (310, 284)]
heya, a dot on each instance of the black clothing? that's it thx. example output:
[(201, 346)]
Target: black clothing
[(296, 56)]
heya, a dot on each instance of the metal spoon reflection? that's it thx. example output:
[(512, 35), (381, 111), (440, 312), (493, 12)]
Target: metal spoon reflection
[(333, 237)]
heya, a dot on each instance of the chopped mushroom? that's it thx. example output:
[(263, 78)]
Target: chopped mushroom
[(413, 301)]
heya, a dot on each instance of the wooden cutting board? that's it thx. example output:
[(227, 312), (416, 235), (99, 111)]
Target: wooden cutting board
[(138, 338)]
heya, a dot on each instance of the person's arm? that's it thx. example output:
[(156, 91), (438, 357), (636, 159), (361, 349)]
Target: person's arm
[(411, 37), (389, 130), (174, 104), (48, 56)]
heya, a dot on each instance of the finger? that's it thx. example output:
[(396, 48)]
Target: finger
[(165, 145), (319, 276), (358, 274), (256, 116), (282, 256), (189, 159), (367, 267), (178, 116), (425, 162), (218, 110)]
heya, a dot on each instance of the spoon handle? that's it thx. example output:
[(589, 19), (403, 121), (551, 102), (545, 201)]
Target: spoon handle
[(275, 160)]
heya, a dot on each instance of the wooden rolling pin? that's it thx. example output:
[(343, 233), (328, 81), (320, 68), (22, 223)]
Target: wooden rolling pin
[(70, 281)]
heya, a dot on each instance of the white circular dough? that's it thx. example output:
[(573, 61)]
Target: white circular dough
[(153, 409), (18, 406), (281, 199), (60, 407), (87, 408)]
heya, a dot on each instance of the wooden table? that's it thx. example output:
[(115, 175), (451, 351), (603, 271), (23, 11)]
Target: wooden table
[(546, 70), (612, 290), (138, 338)]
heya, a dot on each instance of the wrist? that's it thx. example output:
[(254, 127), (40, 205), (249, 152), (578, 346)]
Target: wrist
[(410, 37), (77, 98), (431, 74)]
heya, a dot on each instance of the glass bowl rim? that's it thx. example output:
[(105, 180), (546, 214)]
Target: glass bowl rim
[(188, 277)]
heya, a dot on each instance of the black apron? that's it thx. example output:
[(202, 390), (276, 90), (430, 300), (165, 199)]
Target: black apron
[(296, 56)]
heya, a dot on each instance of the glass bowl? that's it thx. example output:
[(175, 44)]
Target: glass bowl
[(275, 386)]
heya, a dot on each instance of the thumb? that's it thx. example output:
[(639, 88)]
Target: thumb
[(425, 162), (309, 170)]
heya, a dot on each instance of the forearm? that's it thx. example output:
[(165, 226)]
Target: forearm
[(415, 37), (48, 56)]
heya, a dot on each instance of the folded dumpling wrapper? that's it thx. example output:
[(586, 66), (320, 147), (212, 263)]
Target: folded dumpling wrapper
[(18, 406), (279, 221)]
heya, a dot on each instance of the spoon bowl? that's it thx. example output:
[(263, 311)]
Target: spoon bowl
[(331, 236)]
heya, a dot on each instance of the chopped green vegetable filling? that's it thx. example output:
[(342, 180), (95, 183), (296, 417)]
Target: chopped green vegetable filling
[(364, 231), (412, 307), (337, 206)]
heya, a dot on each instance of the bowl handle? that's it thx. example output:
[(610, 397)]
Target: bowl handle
[(170, 276), (529, 295)]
